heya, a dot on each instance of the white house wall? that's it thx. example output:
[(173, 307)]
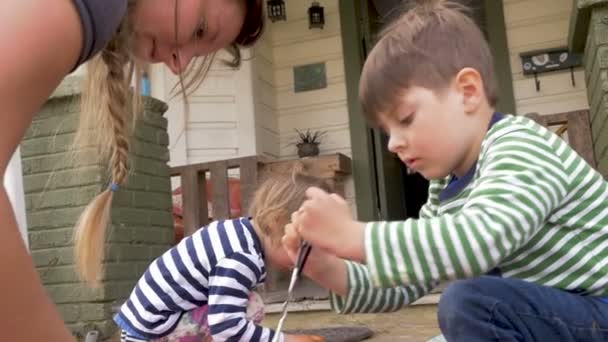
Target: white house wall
[(291, 43), (540, 24), (266, 121), (220, 124)]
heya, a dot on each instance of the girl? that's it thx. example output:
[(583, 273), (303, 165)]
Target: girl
[(41, 42), (200, 289)]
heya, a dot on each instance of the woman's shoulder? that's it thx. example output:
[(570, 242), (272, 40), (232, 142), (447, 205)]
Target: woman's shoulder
[(100, 20)]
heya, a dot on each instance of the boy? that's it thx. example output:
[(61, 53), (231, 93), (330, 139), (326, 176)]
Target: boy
[(514, 214)]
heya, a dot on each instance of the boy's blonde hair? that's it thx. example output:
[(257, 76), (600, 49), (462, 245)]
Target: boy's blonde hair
[(278, 197), (426, 46), (109, 109)]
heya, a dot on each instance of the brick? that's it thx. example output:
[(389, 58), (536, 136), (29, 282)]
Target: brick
[(123, 198), (142, 267), (129, 216), (156, 251), (149, 150), (153, 235), (91, 175), (148, 235), (159, 184), (47, 145), (148, 135), (56, 162), (51, 238), (58, 107), (84, 312), (70, 313), (53, 218), (121, 271), (52, 126), (162, 138), (58, 274), (155, 120), (121, 234), (71, 293), (119, 290), (152, 200), (161, 218), (136, 181), (62, 198), (94, 311), (127, 252), (53, 257), (150, 167)]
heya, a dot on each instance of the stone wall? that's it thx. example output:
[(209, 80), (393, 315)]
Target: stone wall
[(57, 191)]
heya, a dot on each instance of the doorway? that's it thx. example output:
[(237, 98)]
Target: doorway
[(395, 193)]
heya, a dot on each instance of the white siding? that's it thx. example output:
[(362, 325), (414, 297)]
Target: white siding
[(539, 24), (292, 44), (266, 120), (221, 120), (255, 110)]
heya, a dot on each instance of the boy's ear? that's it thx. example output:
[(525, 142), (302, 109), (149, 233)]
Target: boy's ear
[(468, 81)]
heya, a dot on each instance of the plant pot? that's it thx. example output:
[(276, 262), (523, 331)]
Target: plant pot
[(308, 150)]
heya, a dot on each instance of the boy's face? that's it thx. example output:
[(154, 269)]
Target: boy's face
[(433, 132)]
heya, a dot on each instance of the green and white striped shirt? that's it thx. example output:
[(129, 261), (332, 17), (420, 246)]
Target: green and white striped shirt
[(533, 208)]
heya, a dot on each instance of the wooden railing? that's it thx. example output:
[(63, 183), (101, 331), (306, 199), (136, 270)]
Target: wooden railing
[(334, 168), (194, 189), (578, 128), (250, 169)]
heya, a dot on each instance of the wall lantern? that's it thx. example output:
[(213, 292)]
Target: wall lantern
[(276, 10), (316, 16)]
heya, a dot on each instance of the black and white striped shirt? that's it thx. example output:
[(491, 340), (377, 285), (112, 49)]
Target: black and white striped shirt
[(218, 265)]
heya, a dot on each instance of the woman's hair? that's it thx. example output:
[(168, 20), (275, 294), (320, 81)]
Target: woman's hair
[(109, 111), (280, 195)]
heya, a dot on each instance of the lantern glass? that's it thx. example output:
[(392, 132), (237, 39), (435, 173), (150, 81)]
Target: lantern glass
[(276, 10), (316, 16)]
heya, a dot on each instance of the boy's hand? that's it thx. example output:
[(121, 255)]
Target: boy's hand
[(315, 264), (325, 269), (304, 338), (325, 220)]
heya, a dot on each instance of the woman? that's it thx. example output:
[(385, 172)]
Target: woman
[(41, 42)]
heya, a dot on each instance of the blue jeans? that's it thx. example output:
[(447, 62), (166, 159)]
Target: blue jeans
[(489, 308)]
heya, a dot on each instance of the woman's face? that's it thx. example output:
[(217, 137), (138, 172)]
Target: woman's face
[(203, 27)]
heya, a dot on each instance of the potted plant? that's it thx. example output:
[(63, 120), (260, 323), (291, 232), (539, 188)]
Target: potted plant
[(308, 143)]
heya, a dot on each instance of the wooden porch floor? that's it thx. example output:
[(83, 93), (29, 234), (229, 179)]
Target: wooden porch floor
[(412, 324)]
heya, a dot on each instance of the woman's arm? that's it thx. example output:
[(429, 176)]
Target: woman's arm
[(39, 44)]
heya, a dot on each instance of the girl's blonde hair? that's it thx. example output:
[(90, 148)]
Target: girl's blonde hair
[(109, 110), (280, 195)]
